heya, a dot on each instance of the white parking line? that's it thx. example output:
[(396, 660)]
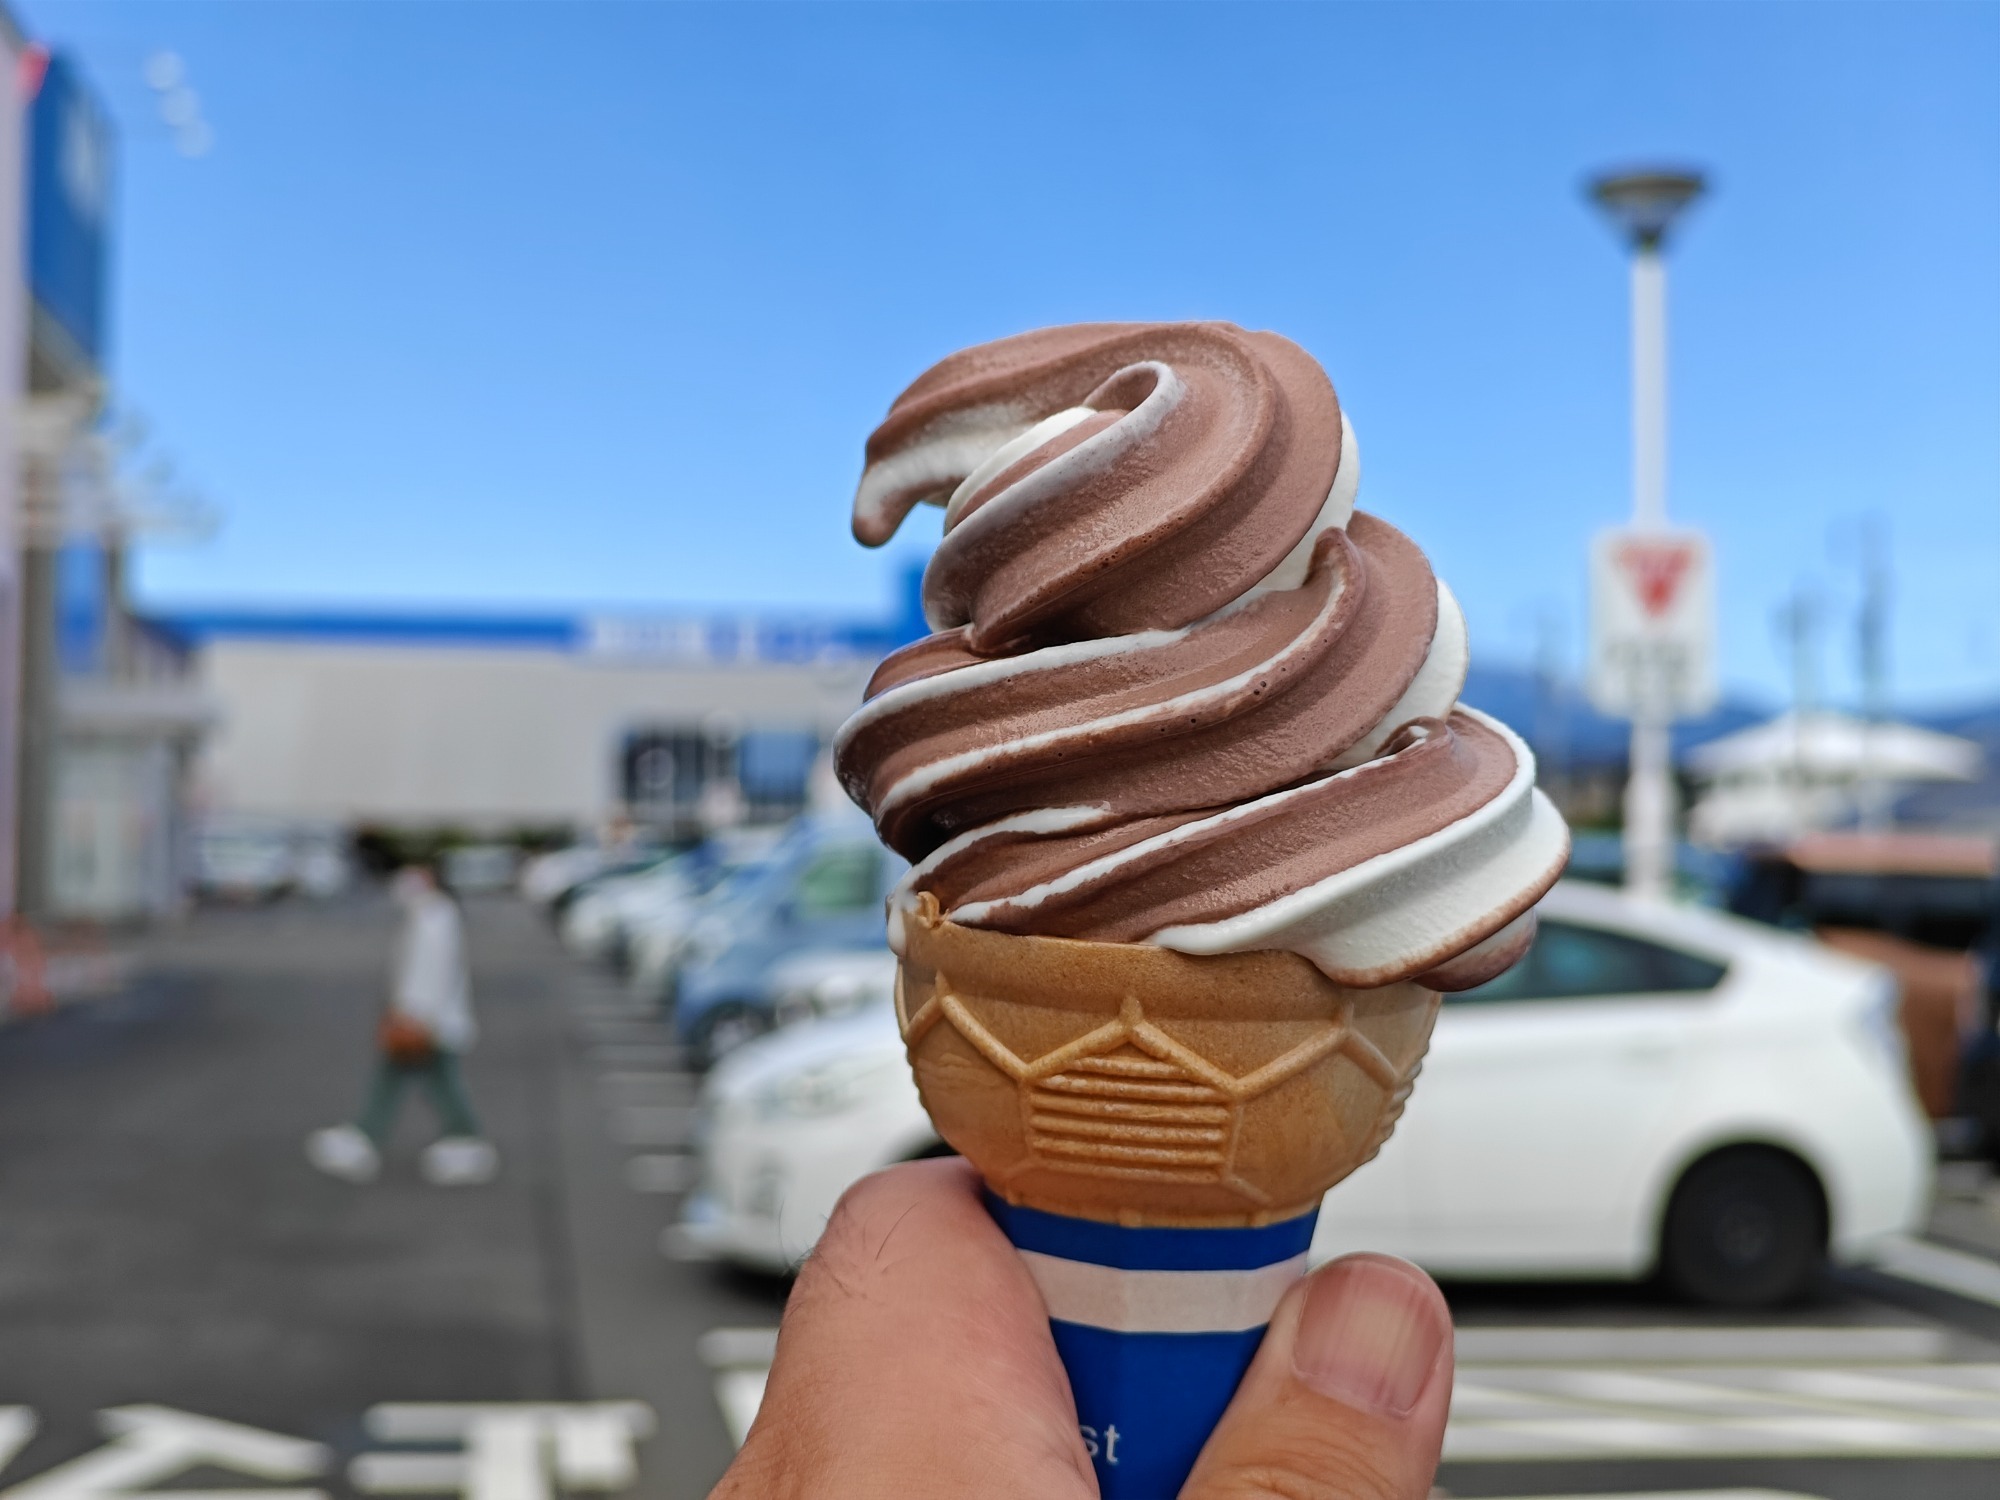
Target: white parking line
[(653, 1124), (17, 1425), (1679, 1411), (630, 1055), (741, 1359), (649, 1087), (1877, 1402), (739, 1393), (653, 1173), (614, 1012), (1898, 1343), (506, 1450), (1942, 1269)]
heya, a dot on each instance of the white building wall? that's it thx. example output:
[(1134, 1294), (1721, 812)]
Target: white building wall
[(479, 736)]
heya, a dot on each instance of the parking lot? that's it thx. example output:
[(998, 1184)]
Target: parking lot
[(167, 1255)]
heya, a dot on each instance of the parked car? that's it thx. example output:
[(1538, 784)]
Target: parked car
[(633, 861), (545, 876), (242, 859), (1915, 902), (815, 985), (659, 936), (823, 889), (788, 1122), (554, 879), (247, 858), (600, 923), (479, 869), (1652, 1089), (593, 924)]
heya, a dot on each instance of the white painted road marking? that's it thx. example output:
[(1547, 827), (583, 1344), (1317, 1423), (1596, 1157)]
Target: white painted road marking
[(17, 1425), (654, 1173), (151, 1444), (1873, 1403), (649, 1087), (1897, 1343), (741, 1360), (1680, 1411), (740, 1393), (629, 1056), (1942, 1269), (654, 1124), (511, 1450)]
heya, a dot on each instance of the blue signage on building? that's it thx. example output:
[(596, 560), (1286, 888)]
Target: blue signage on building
[(82, 607), (69, 205)]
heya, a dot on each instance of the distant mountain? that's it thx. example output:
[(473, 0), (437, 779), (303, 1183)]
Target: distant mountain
[(1565, 730)]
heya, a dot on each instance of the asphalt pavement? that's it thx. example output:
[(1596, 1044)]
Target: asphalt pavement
[(163, 1241), (184, 1302)]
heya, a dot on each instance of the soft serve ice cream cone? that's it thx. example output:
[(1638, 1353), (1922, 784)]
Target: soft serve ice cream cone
[(1198, 831)]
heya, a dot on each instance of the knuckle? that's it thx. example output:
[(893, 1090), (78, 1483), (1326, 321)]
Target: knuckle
[(878, 1197), (761, 1471), (860, 1212), (855, 1232)]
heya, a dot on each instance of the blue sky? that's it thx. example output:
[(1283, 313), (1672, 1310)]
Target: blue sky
[(507, 305)]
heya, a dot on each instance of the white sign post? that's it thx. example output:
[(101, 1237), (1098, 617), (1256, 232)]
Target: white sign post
[(1651, 595), (1652, 623)]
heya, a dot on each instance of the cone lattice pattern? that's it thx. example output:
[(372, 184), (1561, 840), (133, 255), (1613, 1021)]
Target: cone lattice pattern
[(1138, 1085)]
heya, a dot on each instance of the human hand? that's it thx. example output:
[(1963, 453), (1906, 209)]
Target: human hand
[(915, 1360)]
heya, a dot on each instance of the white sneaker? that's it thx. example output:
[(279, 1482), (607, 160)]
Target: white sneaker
[(343, 1151), (460, 1161)]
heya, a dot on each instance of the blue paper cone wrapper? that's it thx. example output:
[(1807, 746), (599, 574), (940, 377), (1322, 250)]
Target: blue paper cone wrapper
[(1155, 1327)]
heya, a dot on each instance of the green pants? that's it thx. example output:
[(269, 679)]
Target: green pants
[(439, 1075)]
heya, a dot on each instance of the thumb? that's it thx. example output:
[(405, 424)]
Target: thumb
[(1347, 1397)]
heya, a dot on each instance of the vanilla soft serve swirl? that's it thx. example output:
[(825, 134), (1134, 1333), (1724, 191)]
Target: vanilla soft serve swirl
[(1180, 691)]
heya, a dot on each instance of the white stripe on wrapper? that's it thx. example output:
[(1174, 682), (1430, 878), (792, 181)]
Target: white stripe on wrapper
[(1160, 1301)]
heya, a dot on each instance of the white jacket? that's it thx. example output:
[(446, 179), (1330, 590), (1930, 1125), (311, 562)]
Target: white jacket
[(429, 983)]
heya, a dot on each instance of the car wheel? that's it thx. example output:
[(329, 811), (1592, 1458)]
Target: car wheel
[(726, 1028), (1745, 1227)]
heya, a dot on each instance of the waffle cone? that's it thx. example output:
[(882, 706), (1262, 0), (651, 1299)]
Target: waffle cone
[(1141, 1086)]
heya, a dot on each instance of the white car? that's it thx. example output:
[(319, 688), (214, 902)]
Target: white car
[(248, 858), (546, 876), (608, 917), (815, 985), (1654, 1088), (656, 925), (480, 868), (595, 924)]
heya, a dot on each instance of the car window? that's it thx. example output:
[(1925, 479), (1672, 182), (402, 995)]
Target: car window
[(1571, 962), (840, 881)]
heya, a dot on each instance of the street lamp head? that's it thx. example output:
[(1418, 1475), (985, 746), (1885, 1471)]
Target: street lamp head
[(1644, 204)]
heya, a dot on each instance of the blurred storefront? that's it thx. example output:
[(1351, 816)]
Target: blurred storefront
[(129, 716), (14, 82), (109, 713), (497, 726)]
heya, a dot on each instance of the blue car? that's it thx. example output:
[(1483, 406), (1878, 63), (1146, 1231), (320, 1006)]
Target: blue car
[(824, 888)]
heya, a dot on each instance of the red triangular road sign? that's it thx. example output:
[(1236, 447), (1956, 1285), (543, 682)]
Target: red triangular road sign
[(1656, 570)]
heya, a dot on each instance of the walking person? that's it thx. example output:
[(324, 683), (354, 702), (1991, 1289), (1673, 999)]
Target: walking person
[(426, 1026)]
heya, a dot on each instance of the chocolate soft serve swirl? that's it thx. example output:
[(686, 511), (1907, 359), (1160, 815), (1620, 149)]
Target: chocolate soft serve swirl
[(1180, 691)]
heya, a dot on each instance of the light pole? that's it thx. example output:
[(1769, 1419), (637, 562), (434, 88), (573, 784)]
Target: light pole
[(1643, 206)]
